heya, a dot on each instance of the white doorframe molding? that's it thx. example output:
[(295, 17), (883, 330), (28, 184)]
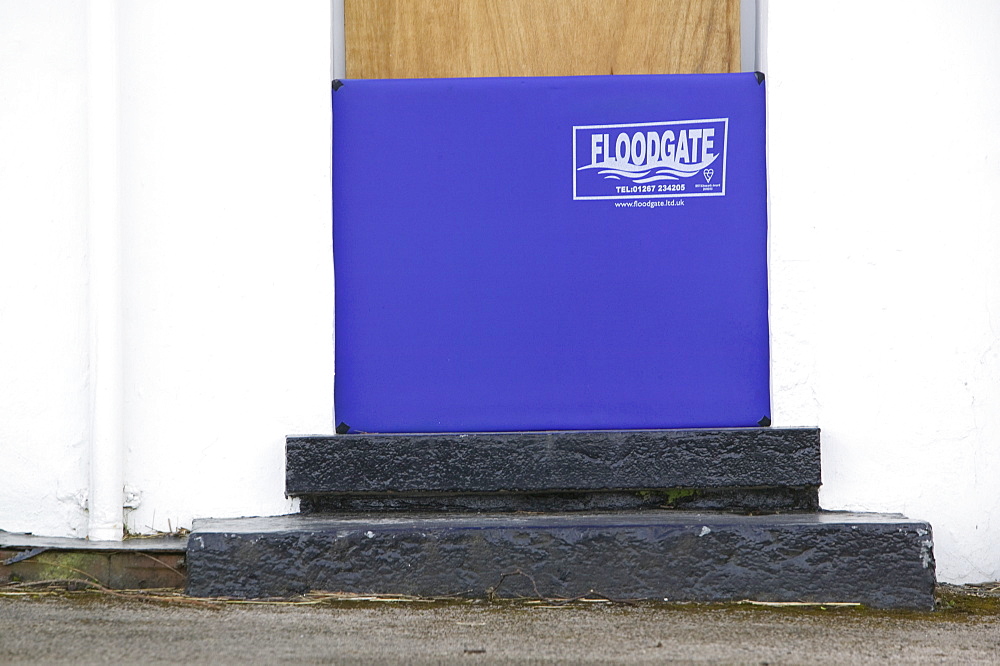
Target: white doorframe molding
[(105, 520), (338, 48)]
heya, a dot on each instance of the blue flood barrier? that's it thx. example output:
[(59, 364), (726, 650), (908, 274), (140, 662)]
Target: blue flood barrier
[(552, 253)]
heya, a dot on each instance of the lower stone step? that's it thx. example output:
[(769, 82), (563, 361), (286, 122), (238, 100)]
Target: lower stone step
[(881, 560)]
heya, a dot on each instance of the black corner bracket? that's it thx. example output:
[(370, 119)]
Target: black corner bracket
[(759, 75), (337, 83), (343, 428)]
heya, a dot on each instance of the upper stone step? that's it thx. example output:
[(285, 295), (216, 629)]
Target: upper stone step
[(552, 462)]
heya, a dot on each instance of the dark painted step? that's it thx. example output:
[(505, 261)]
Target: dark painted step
[(883, 561), (750, 469)]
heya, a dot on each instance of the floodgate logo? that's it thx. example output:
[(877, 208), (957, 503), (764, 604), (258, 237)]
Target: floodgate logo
[(683, 158)]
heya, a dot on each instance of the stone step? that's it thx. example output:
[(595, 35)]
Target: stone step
[(750, 469), (880, 560)]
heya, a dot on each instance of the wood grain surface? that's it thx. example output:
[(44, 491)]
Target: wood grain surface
[(453, 38)]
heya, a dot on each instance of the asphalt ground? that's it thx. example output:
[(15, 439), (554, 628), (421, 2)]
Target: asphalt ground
[(50, 625)]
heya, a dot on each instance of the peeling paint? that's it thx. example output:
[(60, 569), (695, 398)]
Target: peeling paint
[(133, 497), (78, 499), (926, 551)]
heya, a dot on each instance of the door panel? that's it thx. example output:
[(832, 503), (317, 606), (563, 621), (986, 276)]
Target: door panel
[(458, 38)]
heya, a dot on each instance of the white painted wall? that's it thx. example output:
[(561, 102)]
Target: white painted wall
[(224, 197), (44, 319), (225, 181), (885, 258), (884, 279)]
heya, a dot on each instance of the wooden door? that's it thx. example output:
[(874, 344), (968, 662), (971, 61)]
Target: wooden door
[(456, 38)]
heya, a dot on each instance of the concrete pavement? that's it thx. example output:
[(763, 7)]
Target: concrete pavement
[(102, 628)]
